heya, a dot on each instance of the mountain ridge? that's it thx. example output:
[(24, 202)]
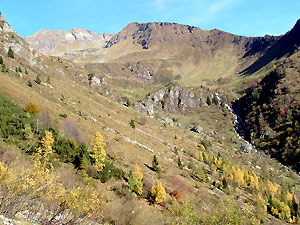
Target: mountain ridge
[(174, 50)]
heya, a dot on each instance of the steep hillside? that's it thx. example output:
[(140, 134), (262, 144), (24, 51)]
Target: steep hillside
[(287, 45), (193, 176), (270, 111)]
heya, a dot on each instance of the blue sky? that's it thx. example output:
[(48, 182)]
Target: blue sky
[(242, 17)]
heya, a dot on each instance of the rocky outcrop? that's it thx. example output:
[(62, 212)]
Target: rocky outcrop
[(140, 71), (173, 99), (4, 26), (130, 70)]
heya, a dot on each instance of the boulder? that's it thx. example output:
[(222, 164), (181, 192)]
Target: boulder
[(168, 121), (247, 148), (197, 129)]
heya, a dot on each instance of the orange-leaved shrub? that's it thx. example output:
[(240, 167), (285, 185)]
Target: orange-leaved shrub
[(32, 108)]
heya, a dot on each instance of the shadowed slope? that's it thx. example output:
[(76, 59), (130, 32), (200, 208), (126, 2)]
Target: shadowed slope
[(286, 45)]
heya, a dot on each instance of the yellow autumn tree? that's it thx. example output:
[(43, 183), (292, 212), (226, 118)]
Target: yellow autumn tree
[(225, 169), (254, 183), (43, 154), (98, 153), (135, 180), (238, 175), (280, 209), (289, 196), (158, 192), (272, 187), (199, 156), (205, 157), (201, 146), (47, 141), (246, 177), (219, 163), (260, 201)]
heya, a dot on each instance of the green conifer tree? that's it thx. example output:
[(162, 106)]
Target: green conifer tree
[(127, 104), (29, 83), (155, 164), (38, 79), (179, 163), (10, 53), (224, 183), (208, 101), (132, 123)]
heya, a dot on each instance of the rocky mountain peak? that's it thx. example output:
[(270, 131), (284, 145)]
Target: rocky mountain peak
[(4, 26), (144, 33), (52, 41)]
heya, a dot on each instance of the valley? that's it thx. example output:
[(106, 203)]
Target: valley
[(154, 90)]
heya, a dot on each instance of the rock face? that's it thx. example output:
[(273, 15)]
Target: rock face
[(173, 99), (62, 42), (4, 26)]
